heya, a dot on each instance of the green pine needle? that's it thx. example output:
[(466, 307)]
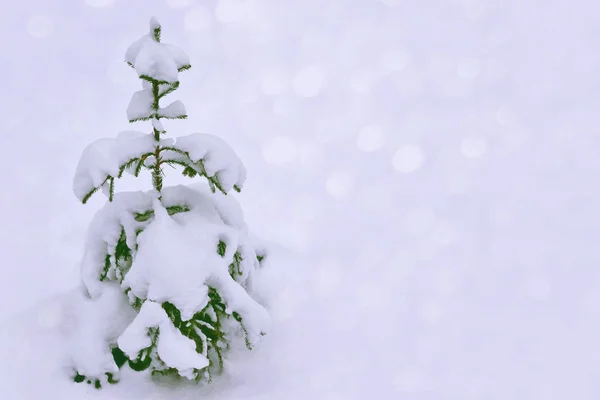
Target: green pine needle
[(89, 194), (189, 172), (139, 166), (159, 116), (111, 190), (175, 150), (141, 119), (170, 89), (127, 165), (221, 248), (154, 81)]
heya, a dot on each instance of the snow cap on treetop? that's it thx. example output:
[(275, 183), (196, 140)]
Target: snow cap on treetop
[(156, 61), (154, 24), (155, 29)]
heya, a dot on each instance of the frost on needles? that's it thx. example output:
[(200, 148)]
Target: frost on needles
[(166, 273)]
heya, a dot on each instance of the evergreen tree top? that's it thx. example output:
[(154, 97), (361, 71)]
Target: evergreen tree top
[(158, 66)]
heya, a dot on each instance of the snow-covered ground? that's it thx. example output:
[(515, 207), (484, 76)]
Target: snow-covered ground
[(431, 166)]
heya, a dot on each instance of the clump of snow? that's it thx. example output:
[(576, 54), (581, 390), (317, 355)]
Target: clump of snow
[(104, 233), (174, 110), (228, 207), (104, 157), (140, 106), (179, 57), (173, 348), (218, 158), (91, 326), (107, 225), (158, 61), (156, 124), (175, 260), (168, 267), (154, 24)]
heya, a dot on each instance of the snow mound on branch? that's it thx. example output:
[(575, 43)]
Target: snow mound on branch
[(228, 208), (104, 233), (120, 215), (177, 254), (140, 105), (173, 348), (158, 61), (140, 108), (104, 157), (217, 156), (175, 260), (91, 324), (174, 110)]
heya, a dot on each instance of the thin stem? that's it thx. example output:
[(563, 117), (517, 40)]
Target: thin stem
[(156, 172)]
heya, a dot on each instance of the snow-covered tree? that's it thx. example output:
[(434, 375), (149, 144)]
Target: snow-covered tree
[(165, 272)]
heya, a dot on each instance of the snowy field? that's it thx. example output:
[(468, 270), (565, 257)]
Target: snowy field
[(428, 170)]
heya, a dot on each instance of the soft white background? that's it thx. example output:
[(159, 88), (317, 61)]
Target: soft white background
[(437, 163)]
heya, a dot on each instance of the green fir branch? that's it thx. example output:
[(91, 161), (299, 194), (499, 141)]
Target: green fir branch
[(139, 166), (176, 209), (157, 176), (144, 357), (190, 165), (144, 216), (173, 163), (211, 183), (119, 357), (94, 190), (204, 328), (106, 269), (157, 33), (189, 172), (170, 89), (126, 166), (171, 210), (215, 180), (152, 80), (159, 116), (111, 189), (238, 318), (123, 256), (141, 119), (235, 268), (221, 248), (175, 150)]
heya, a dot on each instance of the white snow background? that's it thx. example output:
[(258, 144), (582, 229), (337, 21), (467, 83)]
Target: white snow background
[(432, 167)]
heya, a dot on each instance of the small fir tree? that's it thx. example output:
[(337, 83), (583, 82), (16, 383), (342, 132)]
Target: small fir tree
[(170, 268)]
